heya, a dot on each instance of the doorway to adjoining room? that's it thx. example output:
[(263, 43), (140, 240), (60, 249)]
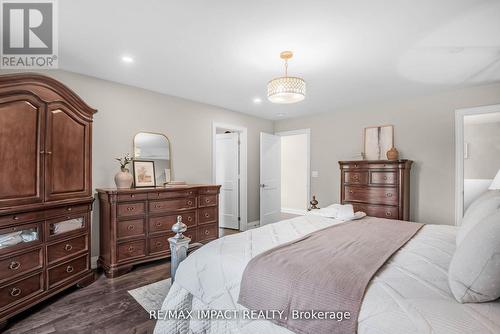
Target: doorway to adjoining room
[(229, 154)]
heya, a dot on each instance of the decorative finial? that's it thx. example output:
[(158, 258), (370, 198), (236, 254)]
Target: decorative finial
[(178, 228), (313, 203)]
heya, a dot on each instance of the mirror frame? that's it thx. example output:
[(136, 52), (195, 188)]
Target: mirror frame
[(169, 149)]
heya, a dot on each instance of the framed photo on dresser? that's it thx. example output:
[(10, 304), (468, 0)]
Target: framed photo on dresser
[(144, 173)]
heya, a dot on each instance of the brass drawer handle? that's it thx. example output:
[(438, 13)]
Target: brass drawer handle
[(130, 208), (190, 193), (189, 202), (68, 247), (158, 206), (15, 292), (388, 195), (207, 232), (131, 249), (130, 227), (351, 192), (190, 218), (207, 215), (356, 165), (15, 218), (158, 194), (69, 209), (159, 244), (388, 214), (207, 200), (355, 177), (385, 177), (158, 224), (14, 265), (69, 269), (132, 195)]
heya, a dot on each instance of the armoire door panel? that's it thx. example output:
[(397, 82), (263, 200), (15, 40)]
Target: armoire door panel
[(67, 155), (21, 152)]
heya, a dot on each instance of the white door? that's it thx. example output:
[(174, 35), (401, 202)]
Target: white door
[(227, 175), (270, 178)]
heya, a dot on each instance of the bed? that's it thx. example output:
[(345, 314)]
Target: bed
[(409, 294)]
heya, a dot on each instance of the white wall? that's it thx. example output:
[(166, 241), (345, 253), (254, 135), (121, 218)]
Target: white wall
[(294, 172), (123, 111), (424, 132), (484, 150)]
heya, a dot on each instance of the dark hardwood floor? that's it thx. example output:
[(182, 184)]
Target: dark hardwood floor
[(104, 307)]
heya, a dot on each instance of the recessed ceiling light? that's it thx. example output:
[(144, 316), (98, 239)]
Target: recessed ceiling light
[(127, 59), (280, 114), (257, 100)]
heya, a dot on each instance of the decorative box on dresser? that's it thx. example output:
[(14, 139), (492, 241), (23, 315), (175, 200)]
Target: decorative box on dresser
[(135, 224), (45, 190), (381, 188)]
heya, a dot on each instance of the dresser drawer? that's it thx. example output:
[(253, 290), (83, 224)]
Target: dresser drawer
[(130, 209), (172, 205), (384, 178), (66, 210), (164, 223), (206, 233), (171, 194), (207, 215), (64, 249), (20, 290), (63, 272), (373, 195), (389, 212), (191, 234), (21, 217), (130, 228), (207, 200), (208, 191), (356, 177), (20, 236), (160, 244), (130, 250), (131, 197), (68, 225), (21, 263)]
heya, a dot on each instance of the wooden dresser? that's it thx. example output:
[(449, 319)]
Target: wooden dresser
[(135, 224), (380, 188), (45, 190)]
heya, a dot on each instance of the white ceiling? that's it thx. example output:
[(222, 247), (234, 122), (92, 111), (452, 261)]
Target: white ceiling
[(223, 52)]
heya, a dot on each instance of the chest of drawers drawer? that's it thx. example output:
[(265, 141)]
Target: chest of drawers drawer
[(164, 223), (208, 200), (390, 212), (130, 250), (65, 271), (20, 263), (130, 228), (383, 178), (388, 196), (170, 194), (131, 197), (207, 215), (65, 249), (206, 233), (130, 209), (172, 205), (21, 217), (160, 244), (353, 177), (18, 291)]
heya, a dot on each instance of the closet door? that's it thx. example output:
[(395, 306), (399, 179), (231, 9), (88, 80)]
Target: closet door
[(67, 154), (21, 150)]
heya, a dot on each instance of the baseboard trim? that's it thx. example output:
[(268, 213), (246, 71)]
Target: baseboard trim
[(93, 262), (254, 224), (294, 211)]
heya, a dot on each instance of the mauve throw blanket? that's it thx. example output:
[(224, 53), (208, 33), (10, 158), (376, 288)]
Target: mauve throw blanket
[(327, 270)]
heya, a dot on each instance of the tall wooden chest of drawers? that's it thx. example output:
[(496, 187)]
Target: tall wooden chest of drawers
[(135, 224), (380, 188)]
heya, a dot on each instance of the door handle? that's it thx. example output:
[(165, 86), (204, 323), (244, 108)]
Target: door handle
[(262, 185)]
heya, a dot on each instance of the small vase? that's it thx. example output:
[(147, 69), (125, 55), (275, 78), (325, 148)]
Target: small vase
[(393, 154), (124, 179)]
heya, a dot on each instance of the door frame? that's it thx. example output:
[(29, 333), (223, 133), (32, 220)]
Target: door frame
[(243, 211), (307, 132), (459, 154)]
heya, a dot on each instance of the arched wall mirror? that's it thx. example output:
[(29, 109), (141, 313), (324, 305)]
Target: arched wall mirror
[(154, 147)]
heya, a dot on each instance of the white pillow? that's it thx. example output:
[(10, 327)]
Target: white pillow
[(481, 208), (474, 273)]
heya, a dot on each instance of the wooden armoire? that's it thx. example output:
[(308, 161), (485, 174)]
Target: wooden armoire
[(45, 190)]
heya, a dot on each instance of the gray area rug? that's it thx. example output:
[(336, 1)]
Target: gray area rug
[(151, 296)]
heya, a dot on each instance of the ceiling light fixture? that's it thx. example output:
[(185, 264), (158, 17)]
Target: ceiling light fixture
[(127, 59), (286, 89)]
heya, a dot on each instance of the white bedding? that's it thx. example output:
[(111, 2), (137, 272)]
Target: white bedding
[(410, 293)]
